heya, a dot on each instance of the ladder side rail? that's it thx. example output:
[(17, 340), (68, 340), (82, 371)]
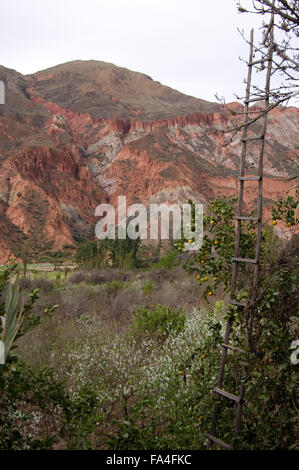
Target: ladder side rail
[(220, 378), (238, 230), (266, 97), (260, 165), (259, 226), (242, 166)]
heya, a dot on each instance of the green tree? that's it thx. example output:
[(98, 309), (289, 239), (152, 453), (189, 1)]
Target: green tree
[(117, 253), (87, 254), (25, 253), (122, 251)]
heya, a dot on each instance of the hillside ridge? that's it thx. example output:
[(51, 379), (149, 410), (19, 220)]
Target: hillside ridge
[(84, 132)]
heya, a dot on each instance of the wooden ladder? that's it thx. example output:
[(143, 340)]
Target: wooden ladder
[(239, 399)]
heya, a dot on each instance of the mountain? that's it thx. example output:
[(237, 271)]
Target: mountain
[(82, 133)]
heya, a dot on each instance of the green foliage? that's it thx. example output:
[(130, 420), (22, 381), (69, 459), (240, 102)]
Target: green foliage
[(123, 253), (56, 257), (148, 287), (272, 380), (168, 261), (25, 253), (181, 244), (82, 416), (269, 420), (44, 400), (160, 320), (170, 409), (87, 255), (50, 309), (285, 209), (107, 253), (57, 279), (150, 386), (114, 286), (270, 244), (66, 271), (211, 265)]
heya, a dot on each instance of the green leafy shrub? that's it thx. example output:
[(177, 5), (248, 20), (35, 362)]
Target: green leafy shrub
[(160, 320), (211, 265), (87, 255), (117, 253), (40, 412), (148, 287), (271, 421), (168, 261), (286, 209), (177, 376), (115, 286)]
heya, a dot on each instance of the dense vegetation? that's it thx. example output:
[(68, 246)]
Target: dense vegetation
[(104, 354)]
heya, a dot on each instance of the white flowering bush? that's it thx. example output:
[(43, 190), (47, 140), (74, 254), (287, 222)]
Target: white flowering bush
[(146, 389)]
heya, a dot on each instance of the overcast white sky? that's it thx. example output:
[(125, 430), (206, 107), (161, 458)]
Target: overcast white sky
[(190, 45)]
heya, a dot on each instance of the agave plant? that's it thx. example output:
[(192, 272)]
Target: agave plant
[(11, 320), (13, 311)]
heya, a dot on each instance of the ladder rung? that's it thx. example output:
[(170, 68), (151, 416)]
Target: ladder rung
[(238, 304), (233, 348), (245, 260), (256, 137), (252, 219), (226, 394), (253, 100), (250, 178), (219, 442)]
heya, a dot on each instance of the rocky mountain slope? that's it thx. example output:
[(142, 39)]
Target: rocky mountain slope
[(83, 133)]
